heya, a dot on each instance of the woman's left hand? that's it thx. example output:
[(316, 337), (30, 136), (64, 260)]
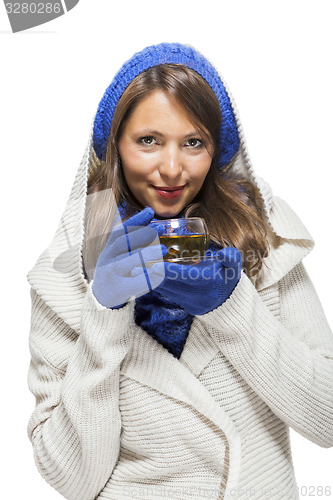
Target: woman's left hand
[(201, 288)]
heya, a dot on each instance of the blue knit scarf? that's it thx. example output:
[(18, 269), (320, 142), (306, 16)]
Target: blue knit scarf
[(165, 321)]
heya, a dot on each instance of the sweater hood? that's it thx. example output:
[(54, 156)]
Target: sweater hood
[(59, 268)]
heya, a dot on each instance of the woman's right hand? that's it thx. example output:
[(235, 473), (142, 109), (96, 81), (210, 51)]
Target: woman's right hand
[(131, 246)]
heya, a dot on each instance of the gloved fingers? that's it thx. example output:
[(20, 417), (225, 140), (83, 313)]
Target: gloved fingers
[(185, 277), (180, 292), (142, 237), (127, 242), (230, 274), (153, 253), (167, 268), (124, 265), (114, 284), (141, 219), (152, 261), (158, 227), (159, 268), (147, 272), (229, 257), (119, 268), (129, 287), (192, 272)]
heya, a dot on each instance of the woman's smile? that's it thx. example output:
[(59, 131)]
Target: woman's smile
[(164, 157), (169, 193)]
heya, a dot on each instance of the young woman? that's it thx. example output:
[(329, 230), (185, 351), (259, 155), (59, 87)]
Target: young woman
[(152, 381)]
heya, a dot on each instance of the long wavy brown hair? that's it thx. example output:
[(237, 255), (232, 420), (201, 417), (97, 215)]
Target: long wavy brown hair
[(230, 204)]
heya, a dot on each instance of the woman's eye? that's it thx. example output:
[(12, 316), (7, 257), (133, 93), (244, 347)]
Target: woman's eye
[(194, 143), (148, 140)]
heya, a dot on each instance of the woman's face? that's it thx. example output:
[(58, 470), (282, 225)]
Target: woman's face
[(164, 156)]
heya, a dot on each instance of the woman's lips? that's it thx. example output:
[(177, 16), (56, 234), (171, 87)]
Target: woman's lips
[(169, 193)]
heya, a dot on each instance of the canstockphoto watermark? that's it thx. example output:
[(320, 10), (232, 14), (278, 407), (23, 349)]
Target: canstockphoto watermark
[(201, 492), (23, 15), (169, 492)]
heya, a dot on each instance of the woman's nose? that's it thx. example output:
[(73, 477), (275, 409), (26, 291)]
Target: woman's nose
[(171, 163)]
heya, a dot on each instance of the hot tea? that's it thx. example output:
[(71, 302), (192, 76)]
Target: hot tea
[(184, 246), (186, 239)]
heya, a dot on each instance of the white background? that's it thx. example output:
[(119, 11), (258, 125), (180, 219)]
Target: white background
[(275, 56)]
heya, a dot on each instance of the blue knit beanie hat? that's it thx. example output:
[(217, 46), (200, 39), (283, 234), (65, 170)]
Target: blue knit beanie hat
[(173, 53)]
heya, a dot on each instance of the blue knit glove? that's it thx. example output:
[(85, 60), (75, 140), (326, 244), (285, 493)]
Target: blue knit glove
[(201, 288), (132, 246)]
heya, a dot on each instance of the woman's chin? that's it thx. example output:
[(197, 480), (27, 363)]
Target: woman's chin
[(166, 214)]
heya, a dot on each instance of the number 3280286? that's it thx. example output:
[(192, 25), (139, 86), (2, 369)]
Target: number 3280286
[(33, 8)]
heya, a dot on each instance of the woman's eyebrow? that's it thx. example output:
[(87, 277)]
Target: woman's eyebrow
[(147, 131)]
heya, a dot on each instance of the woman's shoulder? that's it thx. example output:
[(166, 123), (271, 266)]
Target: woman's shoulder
[(289, 240)]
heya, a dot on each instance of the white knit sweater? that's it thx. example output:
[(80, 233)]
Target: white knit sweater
[(117, 416)]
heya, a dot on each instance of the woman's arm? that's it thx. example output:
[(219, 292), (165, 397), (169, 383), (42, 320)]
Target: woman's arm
[(75, 428), (287, 362)]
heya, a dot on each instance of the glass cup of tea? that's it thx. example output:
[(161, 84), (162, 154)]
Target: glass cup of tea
[(186, 239)]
